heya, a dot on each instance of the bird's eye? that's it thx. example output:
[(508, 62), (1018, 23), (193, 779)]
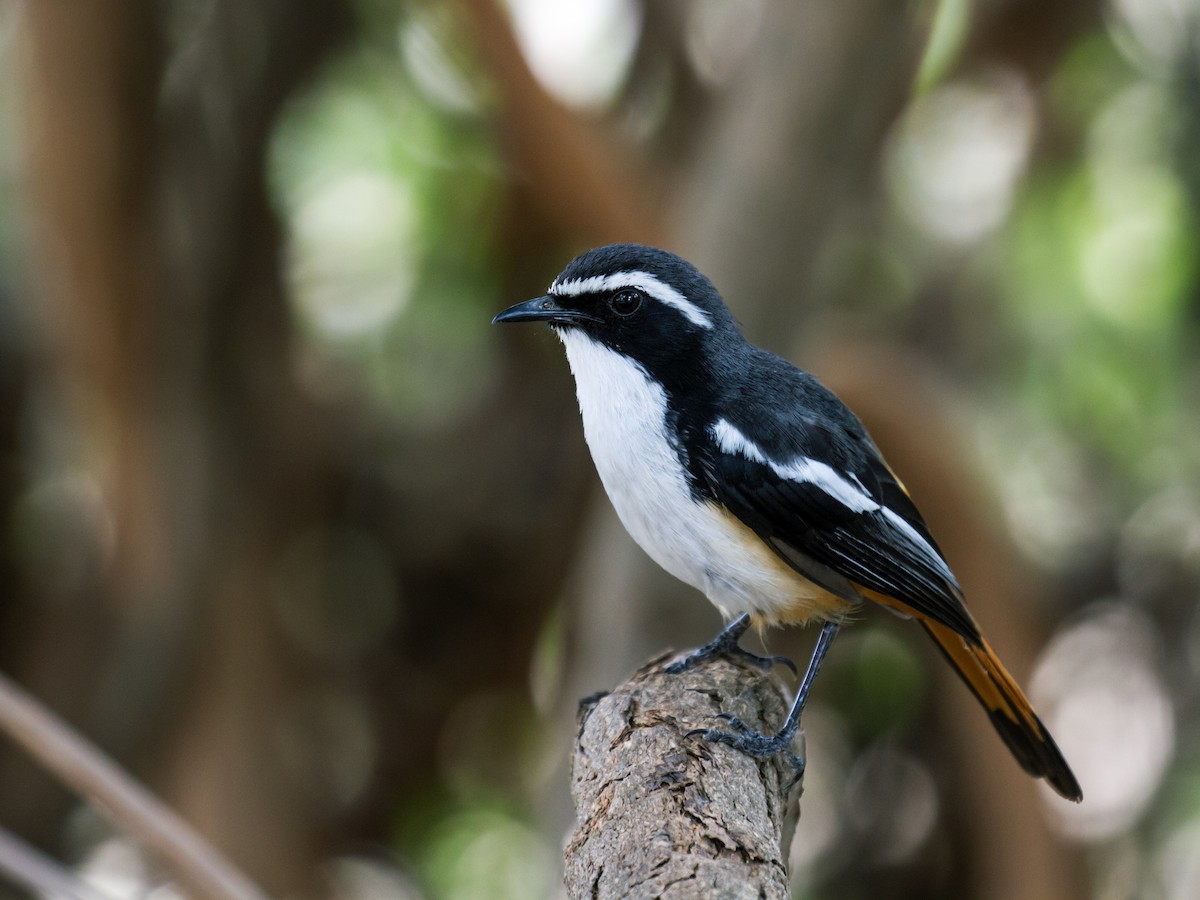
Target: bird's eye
[(626, 302)]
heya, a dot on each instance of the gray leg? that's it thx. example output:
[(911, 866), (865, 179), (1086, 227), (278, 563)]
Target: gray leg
[(755, 743)]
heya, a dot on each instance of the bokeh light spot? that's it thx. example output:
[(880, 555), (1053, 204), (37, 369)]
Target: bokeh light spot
[(579, 51), (1108, 708), (350, 271), (957, 155)]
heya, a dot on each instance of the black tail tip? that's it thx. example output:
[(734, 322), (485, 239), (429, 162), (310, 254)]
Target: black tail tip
[(1038, 755)]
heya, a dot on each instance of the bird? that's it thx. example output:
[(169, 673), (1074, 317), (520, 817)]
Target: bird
[(746, 478)]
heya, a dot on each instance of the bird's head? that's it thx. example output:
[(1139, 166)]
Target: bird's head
[(642, 302)]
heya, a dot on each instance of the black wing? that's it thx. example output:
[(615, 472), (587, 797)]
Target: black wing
[(835, 513)]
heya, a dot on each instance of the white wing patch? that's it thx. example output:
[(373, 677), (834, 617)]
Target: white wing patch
[(848, 491), (915, 536), (643, 281), (821, 475)]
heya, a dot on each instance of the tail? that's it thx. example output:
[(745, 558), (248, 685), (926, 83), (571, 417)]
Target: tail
[(1011, 714)]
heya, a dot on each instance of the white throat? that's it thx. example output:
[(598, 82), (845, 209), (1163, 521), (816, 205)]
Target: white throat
[(624, 412), (624, 421)]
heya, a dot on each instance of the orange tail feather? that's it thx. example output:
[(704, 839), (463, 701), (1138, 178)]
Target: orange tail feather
[(1011, 713)]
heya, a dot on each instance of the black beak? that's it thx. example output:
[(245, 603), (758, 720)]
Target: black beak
[(543, 309)]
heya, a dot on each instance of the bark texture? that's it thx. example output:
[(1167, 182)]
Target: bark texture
[(664, 815)]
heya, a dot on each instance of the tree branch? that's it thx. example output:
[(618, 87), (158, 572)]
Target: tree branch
[(125, 803), (663, 815), (26, 866)]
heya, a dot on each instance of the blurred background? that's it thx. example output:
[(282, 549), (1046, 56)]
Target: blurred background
[(312, 549)]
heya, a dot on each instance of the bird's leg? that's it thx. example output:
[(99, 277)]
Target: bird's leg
[(726, 644), (755, 743)]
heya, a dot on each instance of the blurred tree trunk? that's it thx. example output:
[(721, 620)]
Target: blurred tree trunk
[(273, 470), (170, 347), (92, 71)]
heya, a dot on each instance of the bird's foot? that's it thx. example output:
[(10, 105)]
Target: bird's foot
[(730, 651), (726, 645), (754, 743)]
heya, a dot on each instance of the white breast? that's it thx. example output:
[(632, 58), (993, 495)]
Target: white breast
[(624, 412)]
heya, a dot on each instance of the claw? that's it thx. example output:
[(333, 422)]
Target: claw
[(780, 661), (726, 644), (681, 666), (755, 744), (735, 723), (730, 651), (797, 764)]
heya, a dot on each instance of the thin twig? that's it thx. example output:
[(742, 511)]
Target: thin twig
[(127, 804), (30, 868)]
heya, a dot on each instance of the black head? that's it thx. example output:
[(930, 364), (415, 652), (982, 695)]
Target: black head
[(646, 303)]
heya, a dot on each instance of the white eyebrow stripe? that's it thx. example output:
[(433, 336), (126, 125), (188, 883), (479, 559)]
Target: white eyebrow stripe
[(643, 281), (803, 468)]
